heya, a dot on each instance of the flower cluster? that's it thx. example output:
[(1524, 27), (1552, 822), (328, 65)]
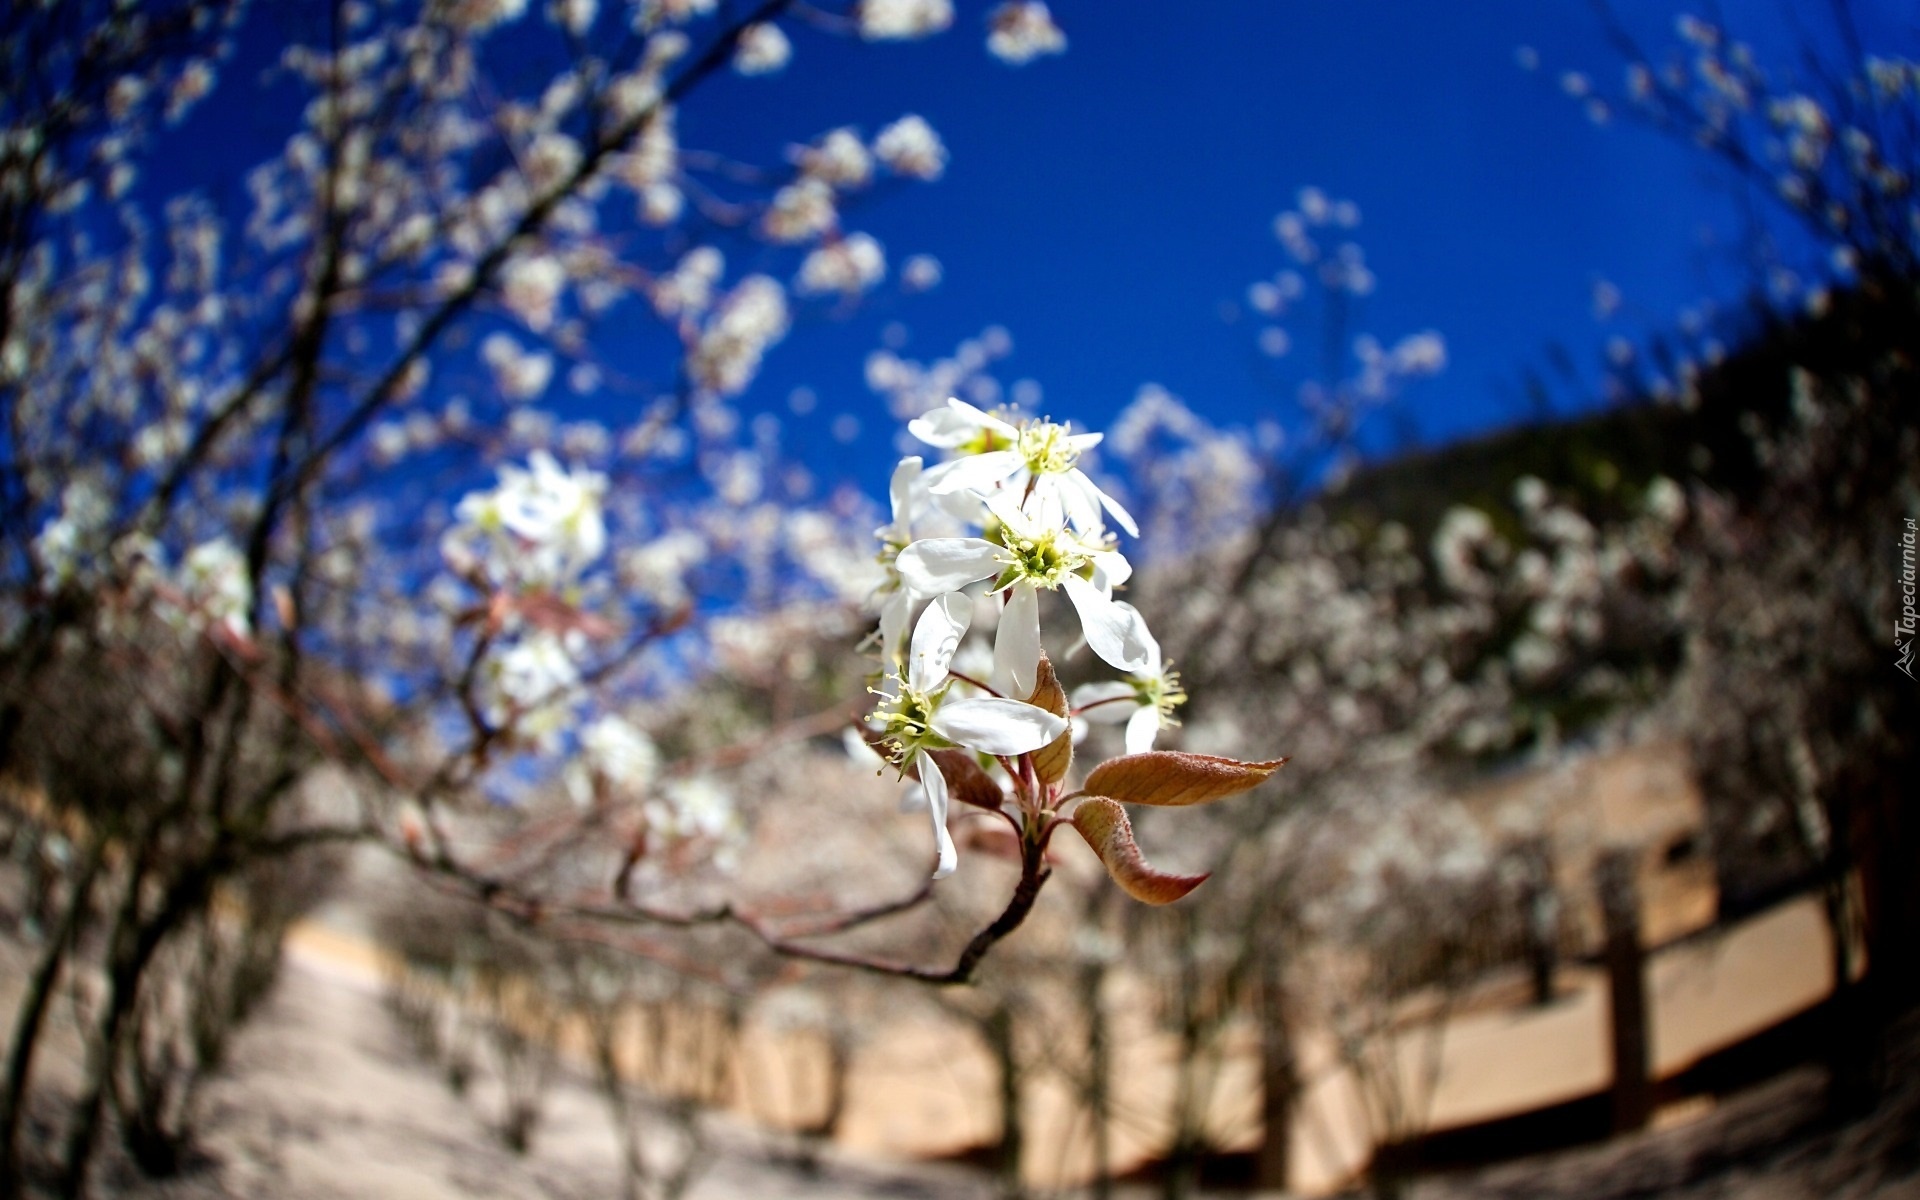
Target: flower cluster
[(1041, 522), (538, 530), (527, 543)]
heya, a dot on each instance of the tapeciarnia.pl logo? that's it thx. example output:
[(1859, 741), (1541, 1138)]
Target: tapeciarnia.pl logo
[(1903, 629)]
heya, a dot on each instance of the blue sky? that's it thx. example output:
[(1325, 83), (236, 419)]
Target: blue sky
[(1103, 205)]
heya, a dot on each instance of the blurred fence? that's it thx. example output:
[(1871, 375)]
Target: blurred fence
[(922, 1086)]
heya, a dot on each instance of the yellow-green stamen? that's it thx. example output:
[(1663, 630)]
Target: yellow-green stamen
[(1040, 559), (1047, 448), (906, 722), (1161, 691)]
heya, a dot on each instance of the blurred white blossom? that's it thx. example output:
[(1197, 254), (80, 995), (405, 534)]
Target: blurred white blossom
[(909, 146), (882, 20), (1023, 30)]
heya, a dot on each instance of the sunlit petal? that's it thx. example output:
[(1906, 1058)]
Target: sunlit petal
[(1079, 499), (893, 623), (975, 472), (997, 726), (934, 565), (936, 789), (901, 491), (1114, 632), (1121, 516), (1141, 729), (936, 635), (1016, 644), (1154, 661), (1110, 570)]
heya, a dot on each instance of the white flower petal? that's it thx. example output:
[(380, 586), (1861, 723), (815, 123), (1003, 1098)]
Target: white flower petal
[(1110, 570), (1154, 663), (1141, 728), (1107, 696), (893, 623), (996, 726), (1121, 516), (964, 507), (981, 418), (940, 428), (1078, 498), (901, 491), (1044, 508), (934, 565), (936, 787), (1016, 644), (935, 637), (974, 473), (957, 424), (1005, 508), (1116, 633)]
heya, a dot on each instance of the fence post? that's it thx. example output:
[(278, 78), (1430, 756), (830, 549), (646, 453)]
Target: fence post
[(1626, 961)]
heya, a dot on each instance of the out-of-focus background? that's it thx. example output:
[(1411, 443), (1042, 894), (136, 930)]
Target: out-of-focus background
[(441, 450)]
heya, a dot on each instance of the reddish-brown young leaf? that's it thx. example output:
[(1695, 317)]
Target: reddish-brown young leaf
[(1052, 760), (967, 781), (1105, 826), (1170, 779)]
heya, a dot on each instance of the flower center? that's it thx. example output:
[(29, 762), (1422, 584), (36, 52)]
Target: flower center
[(906, 722), (1042, 558), (1162, 691), (1046, 448), (985, 442)]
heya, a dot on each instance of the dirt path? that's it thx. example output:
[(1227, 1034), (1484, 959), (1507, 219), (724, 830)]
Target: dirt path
[(323, 1099)]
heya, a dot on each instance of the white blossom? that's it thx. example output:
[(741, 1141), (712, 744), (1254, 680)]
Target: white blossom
[(909, 146), (762, 49), (848, 265), (1037, 459), (800, 211), (1145, 700), (920, 273), (1025, 557), (751, 318), (478, 16), (688, 289), (916, 715), (530, 288), (1023, 30), (531, 688), (839, 158), (218, 587), (894, 20), (540, 528), (697, 807), (519, 374)]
